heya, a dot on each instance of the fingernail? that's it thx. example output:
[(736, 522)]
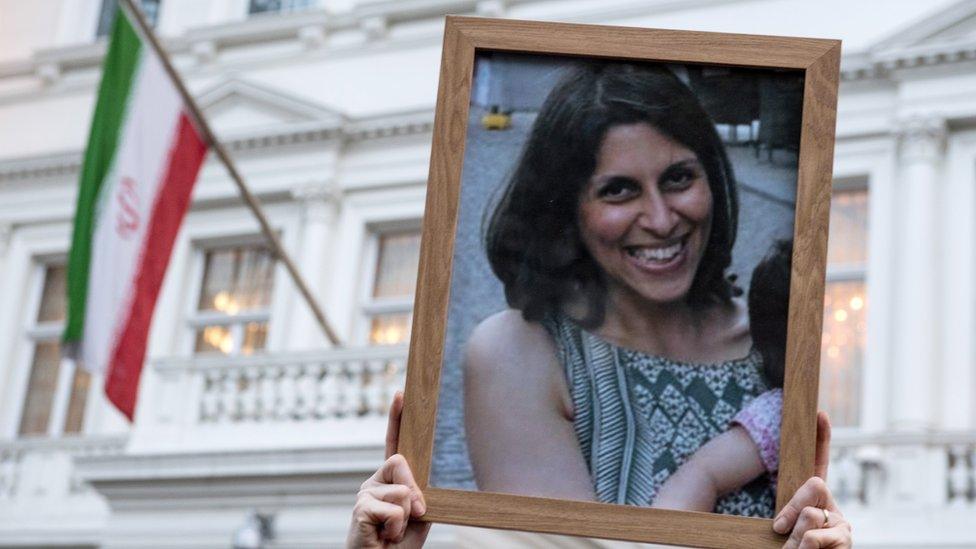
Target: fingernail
[(779, 526)]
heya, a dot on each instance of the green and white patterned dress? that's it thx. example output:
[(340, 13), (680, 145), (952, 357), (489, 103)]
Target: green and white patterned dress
[(638, 417)]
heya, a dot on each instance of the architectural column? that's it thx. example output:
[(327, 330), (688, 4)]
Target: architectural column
[(320, 205), (916, 470), (916, 357)]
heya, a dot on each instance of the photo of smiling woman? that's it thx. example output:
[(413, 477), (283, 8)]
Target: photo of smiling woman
[(624, 231)]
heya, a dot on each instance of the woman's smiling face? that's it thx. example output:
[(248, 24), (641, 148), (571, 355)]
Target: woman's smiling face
[(646, 213)]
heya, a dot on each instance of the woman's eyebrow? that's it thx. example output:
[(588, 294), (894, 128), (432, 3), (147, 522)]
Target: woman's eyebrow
[(686, 163)]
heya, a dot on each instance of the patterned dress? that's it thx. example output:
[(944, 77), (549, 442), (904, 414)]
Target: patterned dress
[(638, 417)]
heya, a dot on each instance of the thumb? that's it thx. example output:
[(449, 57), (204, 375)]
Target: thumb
[(822, 456)]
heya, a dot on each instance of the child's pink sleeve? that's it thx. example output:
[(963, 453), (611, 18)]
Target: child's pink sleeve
[(761, 419)]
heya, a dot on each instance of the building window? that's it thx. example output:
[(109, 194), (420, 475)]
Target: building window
[(389, 308), (279, 6), (233, 309), (57, 391), (107, 14), (845, 308)]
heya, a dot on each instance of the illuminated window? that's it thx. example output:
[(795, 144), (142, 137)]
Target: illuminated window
[(845, 308), (150, 8), (390, 305), (279, 6), (57, 391), (233, 310)]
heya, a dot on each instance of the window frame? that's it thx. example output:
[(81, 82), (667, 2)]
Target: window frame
[(854, 272), (196, 319), (35, 332), (370, 306)]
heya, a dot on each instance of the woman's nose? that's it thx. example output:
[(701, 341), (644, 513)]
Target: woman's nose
[(657, 216)]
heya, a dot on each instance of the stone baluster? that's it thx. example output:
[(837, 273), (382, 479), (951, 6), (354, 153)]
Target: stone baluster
[(353, 390), (228, 397), (958, 478), (374, 393), (305, 383), (210, 399), (330, 391), (9, 468), (267, 394), (248, 396)]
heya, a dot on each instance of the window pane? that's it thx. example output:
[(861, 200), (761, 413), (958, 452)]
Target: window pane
[(262, 6), (40, 388), (53, 297), (396, 267), (842, 351), (79, 396), (390, 329), (215, 339), (255, 335), (107, 16), (848, 228), (237, 279)]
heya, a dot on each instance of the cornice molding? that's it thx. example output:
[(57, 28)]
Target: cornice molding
[(64, 164), (881, 64)]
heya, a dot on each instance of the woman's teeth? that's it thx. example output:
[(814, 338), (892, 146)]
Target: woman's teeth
[(660, 255)]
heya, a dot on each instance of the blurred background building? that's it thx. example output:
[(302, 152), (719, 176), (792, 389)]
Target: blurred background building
[(249, 427)]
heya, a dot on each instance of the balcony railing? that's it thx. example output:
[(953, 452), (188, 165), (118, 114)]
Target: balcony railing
[(276, 400), (43, 468), (902, 469)]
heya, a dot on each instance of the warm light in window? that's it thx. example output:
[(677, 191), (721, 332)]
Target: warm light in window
[(840, 315), (390, 329), (387, 335), (223, 302), (857, 303), (833, 351), (220, 338)]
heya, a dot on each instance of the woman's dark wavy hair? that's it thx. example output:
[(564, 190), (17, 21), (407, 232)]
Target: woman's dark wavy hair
[(532, 237)]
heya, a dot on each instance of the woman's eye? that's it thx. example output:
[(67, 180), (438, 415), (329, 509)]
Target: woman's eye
[(679, 179), (617, 188)]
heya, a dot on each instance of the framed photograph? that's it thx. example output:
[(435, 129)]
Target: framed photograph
[(621, 281)]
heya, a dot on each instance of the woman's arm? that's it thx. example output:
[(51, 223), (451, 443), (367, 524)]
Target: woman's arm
[(727, 462), (518, 413)]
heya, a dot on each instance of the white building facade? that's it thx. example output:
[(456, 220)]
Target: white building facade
[(328, 106)]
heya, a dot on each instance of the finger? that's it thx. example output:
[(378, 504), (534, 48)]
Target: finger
[(379, 519), (397, 494), (822, 457), (813, 493), (837, 537), (396, 471), (393, 424), (810, 519)]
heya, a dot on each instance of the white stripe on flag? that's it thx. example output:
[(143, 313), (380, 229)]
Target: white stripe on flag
[(125, 206)]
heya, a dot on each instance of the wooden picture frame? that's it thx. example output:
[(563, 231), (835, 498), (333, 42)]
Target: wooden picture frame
[(464, 36)]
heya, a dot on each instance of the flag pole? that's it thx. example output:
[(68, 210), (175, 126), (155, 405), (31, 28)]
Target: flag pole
[(209, 137)]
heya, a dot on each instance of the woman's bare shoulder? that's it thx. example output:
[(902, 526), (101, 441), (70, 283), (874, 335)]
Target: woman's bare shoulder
[(505, 346), (507, 334)]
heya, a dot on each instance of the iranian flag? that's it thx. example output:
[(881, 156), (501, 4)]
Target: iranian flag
[(140, 165)]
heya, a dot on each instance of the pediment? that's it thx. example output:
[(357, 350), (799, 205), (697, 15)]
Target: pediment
[(955, 23), (237, 106)]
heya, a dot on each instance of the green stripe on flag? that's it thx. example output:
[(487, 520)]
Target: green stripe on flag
[(117, 76)]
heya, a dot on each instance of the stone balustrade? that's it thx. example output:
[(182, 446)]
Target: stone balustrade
[(935, 469)]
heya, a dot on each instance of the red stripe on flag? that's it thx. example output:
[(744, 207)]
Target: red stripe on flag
[(172, 201)]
